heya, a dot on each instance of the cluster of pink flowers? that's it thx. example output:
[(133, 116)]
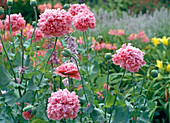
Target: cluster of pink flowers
[(129, 58), (38, 34), (75, 9), (63, 104), (1, 25), (140, 35), (68, 69), (44, 6), (118, 32), (17, 22), (108, 46), (84, 20), (83, 17), (55, 22)]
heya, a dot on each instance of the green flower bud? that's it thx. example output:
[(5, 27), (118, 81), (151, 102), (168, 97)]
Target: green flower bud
[(66, 6), (67, 51), (27, 108), (100, 38), (9, 2), (34, 24), (33, 2), (154, 73), (38, 48), (108, 56), (18, 35), (65, 54), (1, 11)]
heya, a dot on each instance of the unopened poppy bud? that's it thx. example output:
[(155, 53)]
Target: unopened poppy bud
[(18, 35), (66, 52), (29, 112), (27, 108), (38, 48), (1, 11), (9, 2), (108, 56), (34, 24), (154, 73), (100, 39), (33, 2), (66, 6), (90, 49)]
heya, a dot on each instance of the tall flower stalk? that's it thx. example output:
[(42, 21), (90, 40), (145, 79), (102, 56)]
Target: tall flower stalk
[(9, 12)]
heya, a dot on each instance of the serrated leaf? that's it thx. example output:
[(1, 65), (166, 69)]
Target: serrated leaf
[(98, 116), (110, 100), (47, 54)]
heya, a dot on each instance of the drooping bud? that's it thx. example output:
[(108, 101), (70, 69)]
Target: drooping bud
[(108, 56), (1, 11), (33, 2), (66, 52), (27, 108), (154, 73), (9, 2)]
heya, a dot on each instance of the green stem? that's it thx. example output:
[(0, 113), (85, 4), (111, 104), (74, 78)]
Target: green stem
[(22, 76), (10, 63), (107, 86), (35, 23), (9, 11), (60, 82), (85, 43), (133, 83), (124, 70), (81, 78), (45, 67), (69, 83)]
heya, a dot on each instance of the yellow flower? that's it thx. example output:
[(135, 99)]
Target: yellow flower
[(159, 64), (168, 67), (164, 40), (156, 41)]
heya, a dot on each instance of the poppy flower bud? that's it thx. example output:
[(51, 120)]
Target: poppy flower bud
[(33, 2), (66, 52), (108, 56), (38, 48), (9, 2), (34, 24), (29, 112), (66, 6), (154, 73), (100, 39)]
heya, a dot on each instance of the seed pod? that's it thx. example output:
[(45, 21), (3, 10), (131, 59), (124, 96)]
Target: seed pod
[(108, 56), (27, 108), (33, 2), (154, 73), (9, 2)]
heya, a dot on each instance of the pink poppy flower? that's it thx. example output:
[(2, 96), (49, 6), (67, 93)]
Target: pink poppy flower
[(38, 34), (0, 47), (77, 8), (17, 22), (68, 69), (129, 58), (84, 20), (55, 22), (63, 104)]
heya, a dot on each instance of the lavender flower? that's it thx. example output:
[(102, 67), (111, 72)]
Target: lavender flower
[(72, 45)]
